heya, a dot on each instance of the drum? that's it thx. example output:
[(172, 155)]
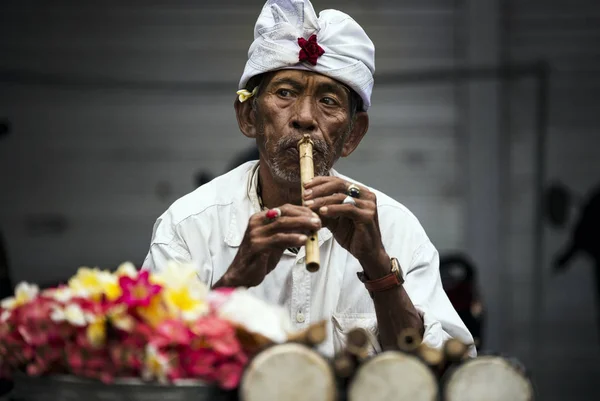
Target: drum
[(393, 376), (490, 378), (291, 372)]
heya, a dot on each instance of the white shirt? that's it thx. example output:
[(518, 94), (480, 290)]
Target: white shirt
[(206, 227)]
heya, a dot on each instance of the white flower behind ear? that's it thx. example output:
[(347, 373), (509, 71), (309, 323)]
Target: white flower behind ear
[(256, 316), (24, 292)]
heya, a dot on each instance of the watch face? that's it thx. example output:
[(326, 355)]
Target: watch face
[(397, 270)]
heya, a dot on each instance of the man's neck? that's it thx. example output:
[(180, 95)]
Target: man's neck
[(274, 192)]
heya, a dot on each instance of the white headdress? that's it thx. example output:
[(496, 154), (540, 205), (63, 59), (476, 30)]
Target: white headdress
[(289, 35)]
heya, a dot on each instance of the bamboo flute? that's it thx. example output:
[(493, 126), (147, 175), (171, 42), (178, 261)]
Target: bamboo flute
[(307, 172)]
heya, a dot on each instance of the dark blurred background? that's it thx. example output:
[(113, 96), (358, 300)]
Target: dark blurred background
[(485, 123)]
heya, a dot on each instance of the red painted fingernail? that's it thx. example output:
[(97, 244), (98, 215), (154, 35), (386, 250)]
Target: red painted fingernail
[(271, 214)]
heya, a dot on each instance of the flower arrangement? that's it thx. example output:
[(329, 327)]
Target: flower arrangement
[(161, 326)]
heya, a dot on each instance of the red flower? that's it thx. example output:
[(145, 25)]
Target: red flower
[(309, 50), (137, 291)]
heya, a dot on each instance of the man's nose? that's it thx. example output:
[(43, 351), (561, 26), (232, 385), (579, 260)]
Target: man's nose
[(304, 117)]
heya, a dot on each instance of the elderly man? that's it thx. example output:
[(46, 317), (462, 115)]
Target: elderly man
[(310, 75)]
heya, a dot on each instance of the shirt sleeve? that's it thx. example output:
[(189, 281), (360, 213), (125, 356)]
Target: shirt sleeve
[(424, 287), (161, 253), (180, 241), (166, 245)]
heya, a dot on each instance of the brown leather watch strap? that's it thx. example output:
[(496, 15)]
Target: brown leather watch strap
[(383, 283), (394, 279)]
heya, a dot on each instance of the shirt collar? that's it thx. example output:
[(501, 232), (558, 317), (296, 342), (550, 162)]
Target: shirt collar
[(247, 204)]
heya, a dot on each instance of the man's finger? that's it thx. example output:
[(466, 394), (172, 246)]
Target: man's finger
[(286, 224), (281, 241), (363, 211), (326, 186), (315, 204), (294, 210)]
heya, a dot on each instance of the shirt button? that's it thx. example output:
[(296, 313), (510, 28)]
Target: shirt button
[(300, 261), (300, 317)]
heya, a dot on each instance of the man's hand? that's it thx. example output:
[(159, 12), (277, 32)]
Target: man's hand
[(354, 227), (265, 240)]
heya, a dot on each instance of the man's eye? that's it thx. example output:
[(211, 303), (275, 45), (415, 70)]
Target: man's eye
[(284, 93), (329, 101)]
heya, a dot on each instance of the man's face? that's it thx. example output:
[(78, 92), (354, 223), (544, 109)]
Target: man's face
[(293, 103)]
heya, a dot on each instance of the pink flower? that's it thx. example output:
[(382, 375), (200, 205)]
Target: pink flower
[(74, 357), (33, 321), (89, 362), (229, 375), (137, 291), (170, 333), (218, 297), (48, 358), (200, 363), (227, 345), (176, 371), (34, 369), (212, 326)]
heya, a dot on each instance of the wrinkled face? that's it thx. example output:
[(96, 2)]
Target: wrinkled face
[(293, 103)]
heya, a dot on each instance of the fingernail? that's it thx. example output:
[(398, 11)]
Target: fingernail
[(315, 215), (323, 210), (315, 220), (308, 202), (308, 192), (302, 238)]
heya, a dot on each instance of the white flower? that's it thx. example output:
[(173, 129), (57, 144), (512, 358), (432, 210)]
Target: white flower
[(127, 269), (71, 313), (155, 365), (5, 316), (24, 292), (178, 276), (62, 294), (196, 313), (256, 315)]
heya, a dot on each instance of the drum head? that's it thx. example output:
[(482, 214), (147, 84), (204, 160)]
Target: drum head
[(489, 378), (393, 376), (290, 372)]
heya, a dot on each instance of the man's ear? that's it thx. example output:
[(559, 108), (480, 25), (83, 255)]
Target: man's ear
[(361, 125), (246, 117)]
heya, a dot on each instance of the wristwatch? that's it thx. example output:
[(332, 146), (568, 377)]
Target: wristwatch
[(394, 279)]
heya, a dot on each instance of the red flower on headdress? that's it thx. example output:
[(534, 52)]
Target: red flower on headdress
[(309, 50)]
